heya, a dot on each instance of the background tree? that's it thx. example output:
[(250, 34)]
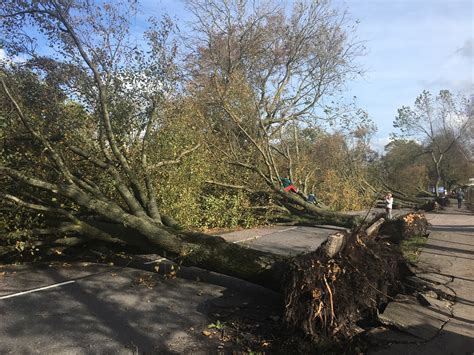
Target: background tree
[(183, 190), (456, 168), (405, 166), (333, 166), (438, 122)]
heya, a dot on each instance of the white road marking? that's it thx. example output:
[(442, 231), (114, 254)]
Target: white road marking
[(247, 239), (155, 261), (36, 289), (286, 230)]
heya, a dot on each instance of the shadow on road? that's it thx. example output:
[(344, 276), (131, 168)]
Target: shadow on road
[(448, 249), (453, 228), (447, 255), (390, 342), (125, 311), (451, 242)]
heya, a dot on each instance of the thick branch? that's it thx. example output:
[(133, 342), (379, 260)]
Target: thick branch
[(37, 207), (135, 207)]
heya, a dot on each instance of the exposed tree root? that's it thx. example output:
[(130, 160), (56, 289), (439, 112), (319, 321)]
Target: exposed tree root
[(327, 297), (406, 226)]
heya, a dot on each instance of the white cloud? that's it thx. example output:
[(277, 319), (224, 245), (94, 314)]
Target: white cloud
[(4, 58), (454, 85), (467, 50), (378, 144)]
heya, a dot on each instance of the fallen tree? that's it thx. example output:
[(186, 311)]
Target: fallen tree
[(96, 69), (401, 199), (329, 302), (68, 186), (304, 212)]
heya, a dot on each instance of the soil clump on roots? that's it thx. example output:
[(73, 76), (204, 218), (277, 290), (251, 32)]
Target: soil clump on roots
[(328, 299)]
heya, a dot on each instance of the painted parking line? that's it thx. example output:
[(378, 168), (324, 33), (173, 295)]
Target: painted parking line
[(37, 289)]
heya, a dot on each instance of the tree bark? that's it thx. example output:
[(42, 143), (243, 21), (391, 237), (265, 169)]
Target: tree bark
[(313, 213), (212, 253)]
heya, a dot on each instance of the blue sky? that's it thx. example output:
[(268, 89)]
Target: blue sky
[(412, 45)]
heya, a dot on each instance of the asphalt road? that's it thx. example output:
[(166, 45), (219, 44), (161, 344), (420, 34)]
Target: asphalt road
[(90, 309), (97, 309), (282, 239)]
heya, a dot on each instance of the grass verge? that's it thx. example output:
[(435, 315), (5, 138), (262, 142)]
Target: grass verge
[(411, 247)]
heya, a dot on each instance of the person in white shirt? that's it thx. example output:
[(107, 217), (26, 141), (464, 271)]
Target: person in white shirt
[(388, 205)]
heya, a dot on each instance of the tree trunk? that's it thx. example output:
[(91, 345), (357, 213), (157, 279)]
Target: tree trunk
[(438, 180), (311, 213), (212, 253), (438, 174)]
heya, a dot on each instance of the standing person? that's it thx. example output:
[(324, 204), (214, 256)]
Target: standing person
[(459, 197), (388, 205)]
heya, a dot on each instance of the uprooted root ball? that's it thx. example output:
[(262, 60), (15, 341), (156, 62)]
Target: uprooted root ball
[(326, 298), (405, 226)]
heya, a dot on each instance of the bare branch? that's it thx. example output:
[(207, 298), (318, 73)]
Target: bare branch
[(177, 160)]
